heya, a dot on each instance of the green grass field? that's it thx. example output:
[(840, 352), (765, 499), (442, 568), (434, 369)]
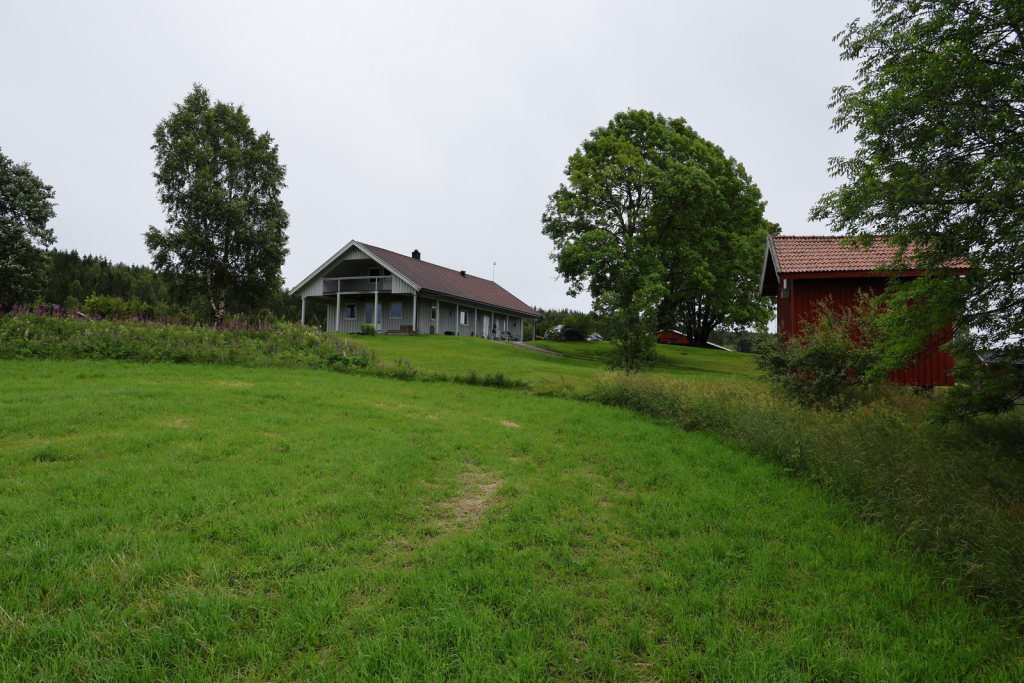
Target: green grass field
[(676, 360), (579, 361), (176, 522)]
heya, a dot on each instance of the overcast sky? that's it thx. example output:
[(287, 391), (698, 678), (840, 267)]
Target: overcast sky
[(439, 126)]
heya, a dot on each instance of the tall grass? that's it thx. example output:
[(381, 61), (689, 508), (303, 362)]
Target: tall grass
[(53, 335), (954, 492)]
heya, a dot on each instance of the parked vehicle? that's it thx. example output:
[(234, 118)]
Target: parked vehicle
[(594, 336)]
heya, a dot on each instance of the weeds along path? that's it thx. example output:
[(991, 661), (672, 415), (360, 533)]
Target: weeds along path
[(182, 522)]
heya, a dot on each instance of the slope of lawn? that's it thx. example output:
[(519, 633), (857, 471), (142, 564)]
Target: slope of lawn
[(579, 361), (164, 522), (676, 360)]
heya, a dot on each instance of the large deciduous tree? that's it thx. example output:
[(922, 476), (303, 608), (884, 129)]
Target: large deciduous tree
[(26, 205), (220, 185), (660, 226), (938, 110)]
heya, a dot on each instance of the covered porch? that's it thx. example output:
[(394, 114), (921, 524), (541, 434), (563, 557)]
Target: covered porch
[(349, 307)]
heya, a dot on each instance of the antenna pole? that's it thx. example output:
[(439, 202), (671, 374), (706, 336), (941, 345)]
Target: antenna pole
[(493, 266)]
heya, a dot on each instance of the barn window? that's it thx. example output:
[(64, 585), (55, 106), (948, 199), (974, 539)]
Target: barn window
[(350, 311), (396, 310)]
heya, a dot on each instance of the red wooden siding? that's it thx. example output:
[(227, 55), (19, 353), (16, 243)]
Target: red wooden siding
[(806, 291), (673, 337)]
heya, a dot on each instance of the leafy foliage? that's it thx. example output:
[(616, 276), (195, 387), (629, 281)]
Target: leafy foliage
[(939, 173), (220, 185), (71, 279), (662, 228), (834, 351), (116, 307), (26, 206)]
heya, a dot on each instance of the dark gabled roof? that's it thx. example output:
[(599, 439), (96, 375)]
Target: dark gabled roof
[(445, 281)]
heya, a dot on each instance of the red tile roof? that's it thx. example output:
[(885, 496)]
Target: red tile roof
[(828, 254), (443, 281)]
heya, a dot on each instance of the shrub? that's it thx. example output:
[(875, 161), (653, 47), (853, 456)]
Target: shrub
[(367, 328), (26, 333), (582, 323), (833, 352), (115, 307)]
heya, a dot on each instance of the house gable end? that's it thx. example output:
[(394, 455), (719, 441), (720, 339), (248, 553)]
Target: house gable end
[(313, 284)]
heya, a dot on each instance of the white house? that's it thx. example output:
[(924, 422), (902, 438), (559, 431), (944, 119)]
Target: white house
[(410, 295)]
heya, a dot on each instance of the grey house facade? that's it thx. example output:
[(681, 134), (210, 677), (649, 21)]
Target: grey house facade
[(397, 293)]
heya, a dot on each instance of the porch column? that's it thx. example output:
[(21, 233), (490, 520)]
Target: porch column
[(414, 311), (337, 311), (476, 321), (376, 316), (456, 320), (302, 320)]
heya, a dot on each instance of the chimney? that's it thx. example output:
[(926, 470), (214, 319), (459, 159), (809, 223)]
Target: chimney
[(416, 254), (462, 273)]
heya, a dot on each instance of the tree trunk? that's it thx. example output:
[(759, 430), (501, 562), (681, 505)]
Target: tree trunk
[(220, 308)]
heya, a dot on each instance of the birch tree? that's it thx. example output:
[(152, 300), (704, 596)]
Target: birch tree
[(220, 186)]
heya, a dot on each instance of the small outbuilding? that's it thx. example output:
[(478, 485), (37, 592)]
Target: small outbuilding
[(801, 272), (673, 337), (403, 294)]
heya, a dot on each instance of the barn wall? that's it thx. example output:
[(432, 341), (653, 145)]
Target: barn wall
[(667, 337), (805, 294)]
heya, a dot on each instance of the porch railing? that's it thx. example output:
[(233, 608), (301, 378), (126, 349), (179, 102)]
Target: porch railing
[(333, 285)]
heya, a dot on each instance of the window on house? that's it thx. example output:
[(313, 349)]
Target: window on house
[(350, 311), (396, 310), (433, 312), (374, 272), (463, 318)]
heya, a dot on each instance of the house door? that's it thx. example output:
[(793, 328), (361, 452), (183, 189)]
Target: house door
[(369, 315), (487, 327)]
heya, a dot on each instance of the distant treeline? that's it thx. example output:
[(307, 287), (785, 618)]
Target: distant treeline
[(73, 278)]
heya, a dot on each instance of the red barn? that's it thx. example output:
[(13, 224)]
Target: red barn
[(802, 271), (673, 337)]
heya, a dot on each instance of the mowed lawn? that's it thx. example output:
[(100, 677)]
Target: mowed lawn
[(579, 361), (672, 359), (190, 523)]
